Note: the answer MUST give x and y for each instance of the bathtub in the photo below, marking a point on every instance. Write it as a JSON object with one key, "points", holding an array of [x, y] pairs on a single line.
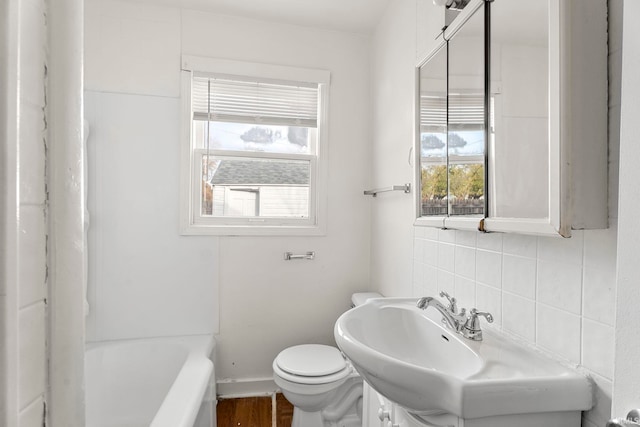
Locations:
{"points": [[159, 382]]}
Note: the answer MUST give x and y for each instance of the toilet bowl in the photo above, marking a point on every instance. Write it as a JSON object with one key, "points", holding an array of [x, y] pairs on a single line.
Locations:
{"points": [[320, 382]]}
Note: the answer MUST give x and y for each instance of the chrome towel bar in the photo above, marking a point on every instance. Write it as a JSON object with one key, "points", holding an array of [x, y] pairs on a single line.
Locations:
{"points": [[406, 188]]}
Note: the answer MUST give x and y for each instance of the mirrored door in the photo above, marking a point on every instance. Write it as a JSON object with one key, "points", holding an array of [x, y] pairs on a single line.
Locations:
{"points": [[466, 141], [452, 123]]}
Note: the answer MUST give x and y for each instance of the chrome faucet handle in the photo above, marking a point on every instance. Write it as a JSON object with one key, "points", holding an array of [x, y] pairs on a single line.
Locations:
{"points": [[484, 314], [472, 328], [453, 306]]}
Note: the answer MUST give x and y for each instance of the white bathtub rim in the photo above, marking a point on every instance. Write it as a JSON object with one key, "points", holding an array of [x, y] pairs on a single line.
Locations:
{"points": [[201, 343], [182, 402], [172, 413]]}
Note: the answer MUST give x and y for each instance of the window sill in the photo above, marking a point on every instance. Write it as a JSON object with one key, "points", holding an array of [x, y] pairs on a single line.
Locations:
{"points": [[248, 230], [450, 222]]}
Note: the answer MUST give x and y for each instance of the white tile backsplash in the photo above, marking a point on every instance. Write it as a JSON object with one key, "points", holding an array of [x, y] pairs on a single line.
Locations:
{"points": [[418, 245], [519, 244], [430, 278], [560, 285], [466, 238], [490, 299], [600, 249], [562, 250], [558, 332], [519, 316], [489, 268], [490, 241], [446, 257], [465, 262], [418, 273], [598, 347], [430, 233], [599, 295], [465, 291], [446, 282], [519, 275], [445, 235], [429, 281], [430, 252]]}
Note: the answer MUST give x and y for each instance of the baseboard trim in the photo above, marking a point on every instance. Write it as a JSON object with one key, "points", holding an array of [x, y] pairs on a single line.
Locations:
{"points": [[246, 387]]}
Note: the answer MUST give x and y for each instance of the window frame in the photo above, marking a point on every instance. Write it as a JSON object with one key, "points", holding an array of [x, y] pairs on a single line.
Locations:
{"points": [[191, 220]]}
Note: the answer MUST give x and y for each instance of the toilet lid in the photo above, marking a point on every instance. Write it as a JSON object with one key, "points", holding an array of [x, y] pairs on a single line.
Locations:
{"points": [[311, 360]]}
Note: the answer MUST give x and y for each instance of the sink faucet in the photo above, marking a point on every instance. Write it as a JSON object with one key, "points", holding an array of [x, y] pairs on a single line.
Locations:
{"points": [[467, 326], [449, 318]]}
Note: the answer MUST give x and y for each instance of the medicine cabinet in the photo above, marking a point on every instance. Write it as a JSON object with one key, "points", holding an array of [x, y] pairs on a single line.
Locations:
{"points": [[511, 119]]}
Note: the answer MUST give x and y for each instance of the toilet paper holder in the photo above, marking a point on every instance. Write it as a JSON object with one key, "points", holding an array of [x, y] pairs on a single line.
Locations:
{"points": [[632, 420], [288, 256]]}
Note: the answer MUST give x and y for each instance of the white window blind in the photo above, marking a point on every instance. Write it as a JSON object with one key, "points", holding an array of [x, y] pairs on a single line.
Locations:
{"points": [[465, 111], [260, 102], [433, 113]]}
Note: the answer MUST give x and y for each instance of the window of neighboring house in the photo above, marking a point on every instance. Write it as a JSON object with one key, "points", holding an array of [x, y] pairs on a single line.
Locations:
{"points": [[256, 148]]}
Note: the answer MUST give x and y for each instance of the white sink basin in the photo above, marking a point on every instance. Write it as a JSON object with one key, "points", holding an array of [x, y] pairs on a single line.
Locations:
{"points": [[408, 356]]}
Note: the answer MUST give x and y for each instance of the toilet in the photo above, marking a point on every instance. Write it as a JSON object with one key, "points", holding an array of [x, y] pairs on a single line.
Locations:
{"points": [[320, 382]]}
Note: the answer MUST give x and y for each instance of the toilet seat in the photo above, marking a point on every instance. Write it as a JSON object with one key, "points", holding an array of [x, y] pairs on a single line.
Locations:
{"points": [[311, 364], [311, 360]]}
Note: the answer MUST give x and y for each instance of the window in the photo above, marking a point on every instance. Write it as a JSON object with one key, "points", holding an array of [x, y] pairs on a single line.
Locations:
{"points": [[256, 138]]}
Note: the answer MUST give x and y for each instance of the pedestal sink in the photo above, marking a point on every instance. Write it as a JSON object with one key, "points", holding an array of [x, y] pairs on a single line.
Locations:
{"points": [[410, 357]]}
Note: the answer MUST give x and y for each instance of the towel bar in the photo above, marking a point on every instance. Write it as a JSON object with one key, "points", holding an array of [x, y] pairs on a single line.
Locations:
{"points": [[406, 188]]}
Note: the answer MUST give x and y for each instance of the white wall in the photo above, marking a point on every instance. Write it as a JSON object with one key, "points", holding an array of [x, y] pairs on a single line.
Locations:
{"points": [[556, 294], [627, 378], [147, 280], [393, 74], [23, 255]]}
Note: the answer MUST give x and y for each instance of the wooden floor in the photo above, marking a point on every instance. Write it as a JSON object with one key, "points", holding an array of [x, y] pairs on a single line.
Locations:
{"points": [[255, 412]]}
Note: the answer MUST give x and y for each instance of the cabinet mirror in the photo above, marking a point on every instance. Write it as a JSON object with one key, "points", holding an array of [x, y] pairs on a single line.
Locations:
{"points": [[519, 119], [513, 119], [433, 135], [452, 124]]}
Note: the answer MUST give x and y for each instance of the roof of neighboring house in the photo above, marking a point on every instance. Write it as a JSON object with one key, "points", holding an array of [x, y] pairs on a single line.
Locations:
{"points": [[251, 172]]}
